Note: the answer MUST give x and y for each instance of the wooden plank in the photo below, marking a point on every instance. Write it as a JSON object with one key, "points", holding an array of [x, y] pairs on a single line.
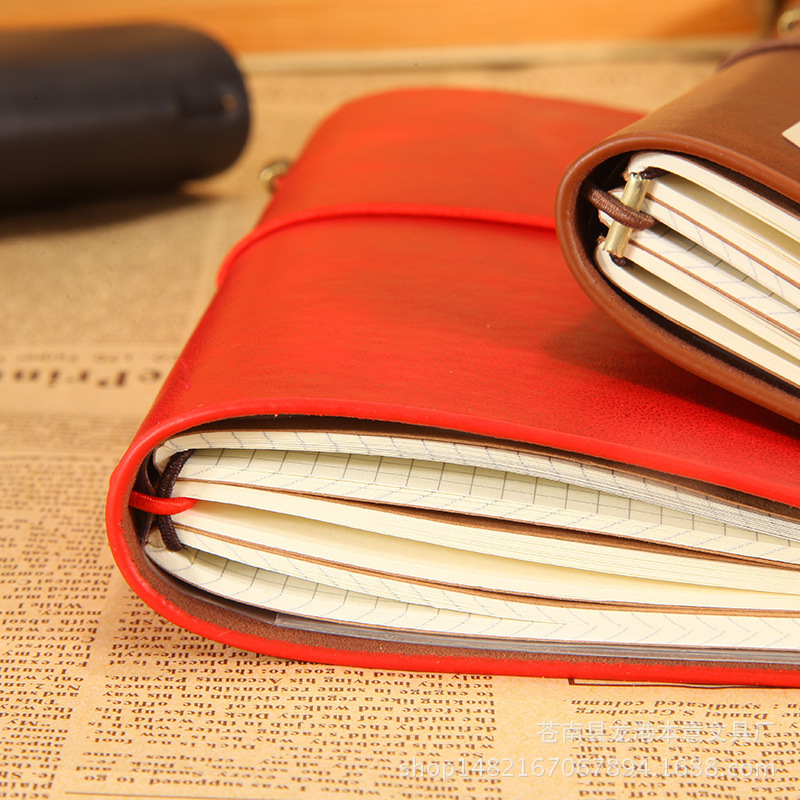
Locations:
{"points": [[248, 26]]}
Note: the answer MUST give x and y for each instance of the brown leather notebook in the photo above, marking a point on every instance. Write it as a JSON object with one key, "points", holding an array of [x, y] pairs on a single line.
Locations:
{"points": [[685, 226]]}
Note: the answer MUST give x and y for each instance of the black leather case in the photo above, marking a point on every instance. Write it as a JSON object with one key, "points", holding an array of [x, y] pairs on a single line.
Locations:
{"points": [[109, 110]]}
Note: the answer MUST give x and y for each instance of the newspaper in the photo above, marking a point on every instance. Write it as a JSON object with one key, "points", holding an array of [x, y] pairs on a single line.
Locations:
{"points": [[102, 698]]}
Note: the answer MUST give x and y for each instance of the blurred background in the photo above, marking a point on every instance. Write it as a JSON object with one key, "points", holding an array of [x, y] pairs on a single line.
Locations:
{"points": [[294, 33]]}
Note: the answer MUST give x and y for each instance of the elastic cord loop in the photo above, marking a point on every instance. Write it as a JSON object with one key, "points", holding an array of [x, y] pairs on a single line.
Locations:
{"points": [[759, 48], [618, 211], [163, 505], [366, 210], [160, 505]]}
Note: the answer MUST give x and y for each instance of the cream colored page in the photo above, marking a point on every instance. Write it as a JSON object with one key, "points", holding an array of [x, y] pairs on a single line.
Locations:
{"points": [[102, 698]]}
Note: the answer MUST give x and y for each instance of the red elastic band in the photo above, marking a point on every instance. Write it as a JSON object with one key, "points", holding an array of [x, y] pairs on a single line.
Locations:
{"points": [[419, 211], [162, 506]]}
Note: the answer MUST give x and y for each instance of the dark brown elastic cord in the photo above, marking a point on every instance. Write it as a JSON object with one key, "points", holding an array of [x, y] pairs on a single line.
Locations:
{"points": [[765, 46], [618, 211], [164, 489]]}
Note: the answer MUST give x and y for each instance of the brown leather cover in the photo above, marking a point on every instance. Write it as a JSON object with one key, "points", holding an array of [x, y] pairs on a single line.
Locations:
{"points": [[734, 120]]}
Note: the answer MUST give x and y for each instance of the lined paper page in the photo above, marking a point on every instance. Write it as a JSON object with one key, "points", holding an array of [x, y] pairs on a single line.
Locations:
{"points": [[431, 549], [736, 213], [474, 479], [267, 589], [767, 270], [710, 280], [684, 309]]}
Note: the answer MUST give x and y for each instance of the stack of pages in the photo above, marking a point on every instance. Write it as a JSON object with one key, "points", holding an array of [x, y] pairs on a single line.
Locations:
{"points": [[470, 539], [722, 261]]}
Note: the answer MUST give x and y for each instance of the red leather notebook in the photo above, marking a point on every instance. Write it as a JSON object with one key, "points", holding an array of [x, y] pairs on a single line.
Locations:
{"points": [[402, 437]]}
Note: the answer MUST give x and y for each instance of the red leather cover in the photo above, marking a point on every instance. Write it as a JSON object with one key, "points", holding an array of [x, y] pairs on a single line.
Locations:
{"points": [[407, 271]]}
